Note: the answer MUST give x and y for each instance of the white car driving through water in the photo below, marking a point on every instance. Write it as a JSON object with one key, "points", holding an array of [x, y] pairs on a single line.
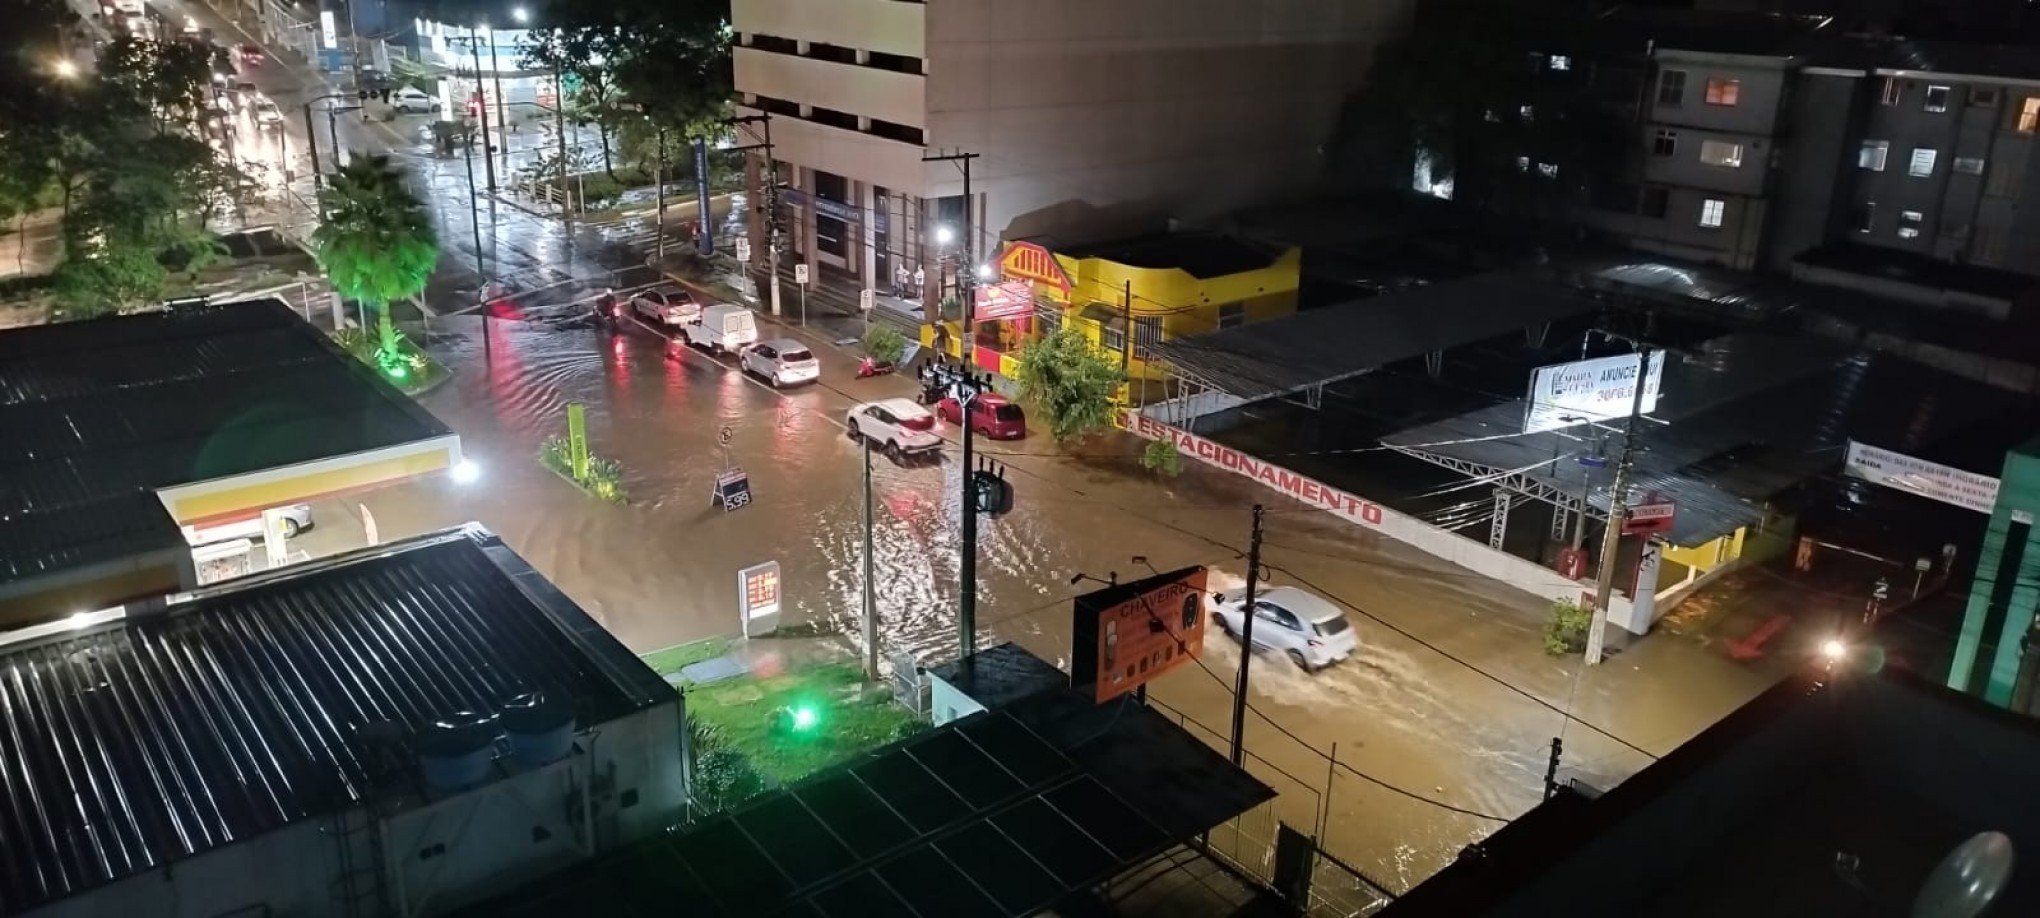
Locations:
{"points": [[1311, 632]]}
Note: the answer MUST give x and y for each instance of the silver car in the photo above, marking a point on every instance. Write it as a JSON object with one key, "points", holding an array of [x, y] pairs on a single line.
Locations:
{"points": [[782, 362]]}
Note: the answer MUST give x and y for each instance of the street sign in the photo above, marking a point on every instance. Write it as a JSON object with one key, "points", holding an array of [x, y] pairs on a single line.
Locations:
{"points": [[1923, 565], [800, 274], [866, 298], [1653, 516], [1565, 394], [732, 489], [743, 249], [758, 598], [1126, 635]]}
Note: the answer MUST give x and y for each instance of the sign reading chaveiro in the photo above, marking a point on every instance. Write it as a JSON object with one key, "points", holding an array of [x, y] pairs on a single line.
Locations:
{"points": [[1930, 480], [1127, 634], [1565, 394]]}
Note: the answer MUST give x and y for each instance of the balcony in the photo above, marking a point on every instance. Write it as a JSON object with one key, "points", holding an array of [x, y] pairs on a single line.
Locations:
{"points": [[852, 154], [884, 94], [891, 26]]}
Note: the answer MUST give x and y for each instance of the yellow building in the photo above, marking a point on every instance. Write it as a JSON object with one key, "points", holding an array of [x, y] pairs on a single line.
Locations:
{"points": [[1170, 286]]}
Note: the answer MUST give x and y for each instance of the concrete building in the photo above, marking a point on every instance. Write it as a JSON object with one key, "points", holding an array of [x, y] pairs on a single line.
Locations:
{"points": [[1090, 118]]}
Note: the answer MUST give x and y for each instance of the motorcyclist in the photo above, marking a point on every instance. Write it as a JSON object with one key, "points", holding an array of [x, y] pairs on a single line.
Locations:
{"points": [[605, 305]]}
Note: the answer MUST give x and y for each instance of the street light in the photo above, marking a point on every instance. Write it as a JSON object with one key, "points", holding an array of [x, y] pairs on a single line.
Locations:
{"points": [[944, 235], [986, 273], [66, 68], [520, 14], [466, 472]]}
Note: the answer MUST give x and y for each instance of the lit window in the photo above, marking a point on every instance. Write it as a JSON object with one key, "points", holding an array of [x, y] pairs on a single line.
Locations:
{"points": [[1548, 170], [2029, 115], [1872, 154], [1937, 98], [1529, 113], [1723, 92], [1561, 62], [1909, 222], [1490, 117], [1866, 217], [1711, 212], [1922, 162], [1968, 165], [1665, 143], [1671, 88], [1891, 91], [1522, 164], [1721, 153]]}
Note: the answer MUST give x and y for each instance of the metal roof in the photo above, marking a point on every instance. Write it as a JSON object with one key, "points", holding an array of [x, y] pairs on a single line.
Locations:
{"points": [[999, 814], [1264, 360], [1742, 418], [136, 743], [97, 414]]}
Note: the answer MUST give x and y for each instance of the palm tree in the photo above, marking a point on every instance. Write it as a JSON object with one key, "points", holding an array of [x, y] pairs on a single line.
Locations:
{"points": [[375, 243]]}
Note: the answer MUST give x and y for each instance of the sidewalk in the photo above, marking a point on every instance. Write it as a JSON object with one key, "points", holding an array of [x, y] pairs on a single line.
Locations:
{"points": [[831, 304]]}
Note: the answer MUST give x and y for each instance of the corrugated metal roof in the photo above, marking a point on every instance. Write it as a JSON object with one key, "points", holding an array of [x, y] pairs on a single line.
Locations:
{"points": [[1269, 359], [1742, 418], [105, 409], [132, 744]]}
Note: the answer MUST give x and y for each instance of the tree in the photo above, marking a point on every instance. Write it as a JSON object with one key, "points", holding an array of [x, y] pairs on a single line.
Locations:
{"points": [[376, 243], [1071, 381], [640, 66]]}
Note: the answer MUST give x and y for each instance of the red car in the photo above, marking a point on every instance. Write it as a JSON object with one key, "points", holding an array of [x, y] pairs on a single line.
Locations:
{"points": [[990, 415]]}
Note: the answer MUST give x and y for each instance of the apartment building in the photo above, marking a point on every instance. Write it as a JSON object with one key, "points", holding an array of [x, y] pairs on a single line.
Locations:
{"points": [[1090, 118]]}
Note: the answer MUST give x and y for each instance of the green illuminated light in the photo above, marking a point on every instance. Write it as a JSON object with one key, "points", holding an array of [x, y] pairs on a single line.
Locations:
{"points": [[805, 718]]}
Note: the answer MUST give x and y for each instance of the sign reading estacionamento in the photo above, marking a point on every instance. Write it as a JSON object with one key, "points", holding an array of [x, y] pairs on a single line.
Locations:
{"points": [[1126, 635], [1301, 487], [1565, 394], [1930, 480]]}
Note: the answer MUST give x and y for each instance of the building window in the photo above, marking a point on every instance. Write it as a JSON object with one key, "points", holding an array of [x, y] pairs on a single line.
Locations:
{"points": [[1711, 212], [1146, 334], [1909, 222], [1983, 98], [1922, 162], [1522, 164], [1671, 88], [1665, 143], [1937, 98], [1721, 153], [1872, 154], [1111, 338], [1232, 314], [1865, 217], [897, 63], [832, 118], [1891, 91], [1528, 113], [1656, 203], [823, 51], [2029, 115], [773, 43], [899, 132], [1968, 165], [1548, 170], [1723, 92], [1561, 62]]}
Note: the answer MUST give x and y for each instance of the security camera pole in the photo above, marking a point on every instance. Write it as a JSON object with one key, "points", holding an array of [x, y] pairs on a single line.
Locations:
{"points": [[1618, 512], [966, 387]]}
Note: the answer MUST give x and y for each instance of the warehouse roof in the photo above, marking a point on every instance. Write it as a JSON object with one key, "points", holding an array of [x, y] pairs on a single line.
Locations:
{"points": [[96, 415], [1317, 347], [135, 742]]}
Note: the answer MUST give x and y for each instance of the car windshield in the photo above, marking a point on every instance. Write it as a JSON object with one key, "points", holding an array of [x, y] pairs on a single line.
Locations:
{"points": [[1008, 413], [1333, 626], [796, 355], [918, 421]]}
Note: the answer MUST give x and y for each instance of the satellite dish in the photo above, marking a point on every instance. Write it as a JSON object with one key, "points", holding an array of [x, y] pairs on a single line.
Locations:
{"points": [[1968, 879]]}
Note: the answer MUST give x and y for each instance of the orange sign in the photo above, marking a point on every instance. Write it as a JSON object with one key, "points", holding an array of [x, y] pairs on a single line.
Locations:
{"points": [[1031, 261], [1129, 634]]}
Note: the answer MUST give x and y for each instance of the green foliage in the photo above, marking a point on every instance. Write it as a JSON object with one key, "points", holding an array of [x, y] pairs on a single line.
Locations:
{"points": [[1162, 458], [723, 777], [745, 714], [376, 244], [647, 61], [605, 476], [1071, 382], [884, 344], [1565, 630], [96, 280]]}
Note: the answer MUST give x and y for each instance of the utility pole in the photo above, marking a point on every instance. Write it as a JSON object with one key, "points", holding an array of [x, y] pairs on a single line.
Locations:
{"points": [[496, 76], [1239, 704], [660, 221], [312, 144], [1618, 511], [1126, 340], [560, 136], [771, 189], [870, 588], [966, 275], [482, 109], [967, 387]]}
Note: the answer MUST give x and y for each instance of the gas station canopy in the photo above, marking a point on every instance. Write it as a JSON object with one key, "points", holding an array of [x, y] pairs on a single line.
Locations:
{"points": [[115, 432]]}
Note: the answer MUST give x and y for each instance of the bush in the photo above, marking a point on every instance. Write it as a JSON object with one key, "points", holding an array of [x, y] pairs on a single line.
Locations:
{"points": [[1071, 381], [605, 476], [1565, 631], [884, 344], [1162, 458], [723, 777]]}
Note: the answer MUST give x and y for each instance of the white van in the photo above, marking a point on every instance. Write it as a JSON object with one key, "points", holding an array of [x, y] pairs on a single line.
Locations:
{"points": [[723, 328]]}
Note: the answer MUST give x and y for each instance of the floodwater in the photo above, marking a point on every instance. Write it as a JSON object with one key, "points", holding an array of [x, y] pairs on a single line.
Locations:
{"points": [[1449, 698]]}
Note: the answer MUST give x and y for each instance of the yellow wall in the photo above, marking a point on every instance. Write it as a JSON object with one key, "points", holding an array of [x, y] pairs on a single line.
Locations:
{"points": [[1187, 305]]}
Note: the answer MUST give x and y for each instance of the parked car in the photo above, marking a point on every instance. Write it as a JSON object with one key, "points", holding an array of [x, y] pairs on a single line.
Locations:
{"points": [[782, 361], [666, 304], [1311, 632], [897, 425], [296, 518], [413, 101], [250, 55], [990, 415], [723, 328]]}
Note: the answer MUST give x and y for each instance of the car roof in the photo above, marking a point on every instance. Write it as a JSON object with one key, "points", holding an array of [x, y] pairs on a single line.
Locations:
{"points": [[782, 344], [1306, 606], [901, 406], [670, 289]]}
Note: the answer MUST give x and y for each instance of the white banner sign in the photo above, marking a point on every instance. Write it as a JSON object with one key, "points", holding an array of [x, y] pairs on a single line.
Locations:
{"points": [[1930, 480], [1565, 394], [329, 30]]}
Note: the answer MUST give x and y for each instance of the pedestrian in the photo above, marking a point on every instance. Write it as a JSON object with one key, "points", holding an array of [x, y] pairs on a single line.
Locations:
{"points": [[920, 284], [900, 278]]}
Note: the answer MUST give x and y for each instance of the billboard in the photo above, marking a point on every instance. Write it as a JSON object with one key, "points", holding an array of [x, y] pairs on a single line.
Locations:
{"points": [[1930, 480], [1126, 635], [758, 598], [1565, 394]]}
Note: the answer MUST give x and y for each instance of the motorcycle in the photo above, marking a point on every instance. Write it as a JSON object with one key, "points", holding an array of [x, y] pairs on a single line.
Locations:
{"points": [[867, 368]]}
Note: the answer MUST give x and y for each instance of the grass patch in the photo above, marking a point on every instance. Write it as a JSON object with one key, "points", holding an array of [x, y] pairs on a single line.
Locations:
{"points": [[605, 476], [754, 718], [671, 660], [421, 372]]}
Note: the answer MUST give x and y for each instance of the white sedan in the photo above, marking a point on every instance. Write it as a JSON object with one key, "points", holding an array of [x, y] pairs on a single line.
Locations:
{"points": [[782, 362], [666, 305], [1311, 632], [900, 426]]}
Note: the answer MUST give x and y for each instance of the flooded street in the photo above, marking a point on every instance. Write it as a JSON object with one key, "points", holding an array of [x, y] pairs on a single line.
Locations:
{"points": [[1449, 698]]}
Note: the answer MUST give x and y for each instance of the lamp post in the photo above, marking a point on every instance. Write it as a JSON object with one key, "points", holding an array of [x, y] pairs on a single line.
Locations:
{"points": [[496, 77], [482, 104]]}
